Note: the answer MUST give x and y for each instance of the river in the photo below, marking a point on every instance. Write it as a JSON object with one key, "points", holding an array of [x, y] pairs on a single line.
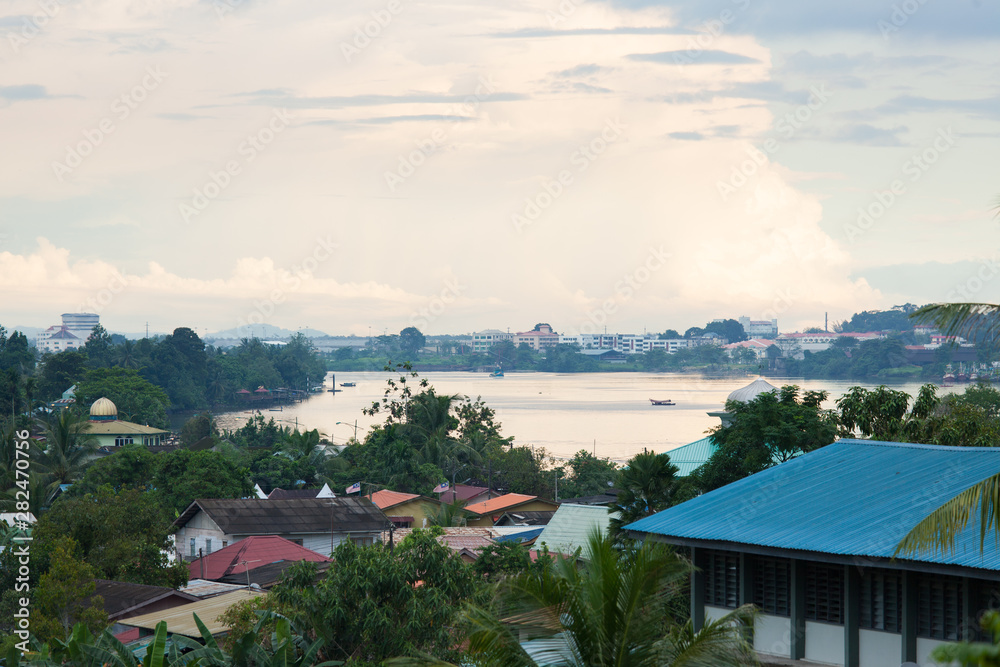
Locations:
{"points": [[607, 413]]}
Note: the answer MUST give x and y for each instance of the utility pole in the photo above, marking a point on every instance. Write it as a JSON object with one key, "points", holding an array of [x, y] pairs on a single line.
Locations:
{"points": [[557, 486]]}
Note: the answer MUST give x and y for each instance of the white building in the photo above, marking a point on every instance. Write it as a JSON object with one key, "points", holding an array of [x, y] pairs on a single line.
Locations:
{"points": [[72, 334], [795, 345], [482, 341], [759, 328]]}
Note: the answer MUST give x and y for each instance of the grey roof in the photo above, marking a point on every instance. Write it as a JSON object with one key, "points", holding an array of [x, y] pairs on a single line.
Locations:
{"points": [[263, 516], [122, 598], [535, 518], [571, 525], [600, 499]]}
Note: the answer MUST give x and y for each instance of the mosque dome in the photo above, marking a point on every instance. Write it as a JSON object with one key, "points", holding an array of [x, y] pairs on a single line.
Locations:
{"points": [[752, 391], [103, 410]]}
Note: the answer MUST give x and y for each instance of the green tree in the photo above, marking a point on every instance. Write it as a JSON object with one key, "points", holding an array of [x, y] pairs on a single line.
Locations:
{"points": [[730, 329], [610, 609], [124, 535], [183, 476], [98, 348], [974, 654], [773, 427], [66, 451], [411, 341], [587, 476], [371, 606], [129, 466], [506, 559], [647, 484], [197, 428], [65, 596], [137, 399], [59, 372]]}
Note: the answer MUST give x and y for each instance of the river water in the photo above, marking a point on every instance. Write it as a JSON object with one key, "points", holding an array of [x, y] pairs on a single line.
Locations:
{"points": [[607, 413]]}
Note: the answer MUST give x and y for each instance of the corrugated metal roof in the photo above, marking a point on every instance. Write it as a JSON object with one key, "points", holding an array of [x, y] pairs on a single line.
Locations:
{"points": [[261, 516], [851, 498], [522, 536], [180, 620], [503, 502], [250, 553], [572, 525], [689, 457], [201, 588]]}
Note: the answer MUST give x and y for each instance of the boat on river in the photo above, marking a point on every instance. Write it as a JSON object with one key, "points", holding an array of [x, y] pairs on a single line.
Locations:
{"points": [[664, 402]]}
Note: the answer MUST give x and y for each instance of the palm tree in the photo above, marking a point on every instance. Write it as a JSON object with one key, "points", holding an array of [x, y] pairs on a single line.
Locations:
{"points": [[126, 355], [611, 609], [937, 531], [647, 487], [67, 451]]}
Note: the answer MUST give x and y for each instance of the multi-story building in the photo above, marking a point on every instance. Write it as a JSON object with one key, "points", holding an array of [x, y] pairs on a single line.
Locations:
{"points": [[72, 334], [539, 338], [482, 341], [797, 344], [759, 328]]}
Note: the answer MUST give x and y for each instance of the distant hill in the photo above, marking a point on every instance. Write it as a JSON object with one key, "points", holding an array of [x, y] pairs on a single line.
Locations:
{"points": [[262, 331]]}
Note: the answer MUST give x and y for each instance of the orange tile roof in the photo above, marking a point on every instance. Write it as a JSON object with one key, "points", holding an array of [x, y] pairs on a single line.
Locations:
{"points": [[500, 503], [384, 499]]}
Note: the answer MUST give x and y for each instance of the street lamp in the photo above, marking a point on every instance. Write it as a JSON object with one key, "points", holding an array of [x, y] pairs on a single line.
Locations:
{"points": [[355, 427]]}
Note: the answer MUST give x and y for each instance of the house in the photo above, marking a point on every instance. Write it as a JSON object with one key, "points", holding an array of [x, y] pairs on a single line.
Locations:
{"points": [[462, 540], [180, 620], [405, 510], [467, 494], [107, 430], [488, 512], [124, 599], [318, 524], [572, 525], [756, 345], [203, 588], [249, 554], [287, 494], [811, 543]]}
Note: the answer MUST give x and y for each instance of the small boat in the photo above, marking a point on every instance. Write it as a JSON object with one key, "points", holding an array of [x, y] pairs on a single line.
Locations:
{"points": [[348, 384], [497, 372], [666, 402]]}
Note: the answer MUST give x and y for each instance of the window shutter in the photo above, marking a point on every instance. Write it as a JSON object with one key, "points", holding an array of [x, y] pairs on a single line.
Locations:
{"points": [[824, 593], [772, 586]]}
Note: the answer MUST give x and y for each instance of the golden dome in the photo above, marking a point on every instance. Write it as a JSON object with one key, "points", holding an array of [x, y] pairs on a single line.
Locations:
{"points": [[103, 410]]}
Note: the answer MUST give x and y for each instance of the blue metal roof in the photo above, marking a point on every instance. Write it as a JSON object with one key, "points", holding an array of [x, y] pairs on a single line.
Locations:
{"points": [[691, 456], [521, 536], [851, 498]]}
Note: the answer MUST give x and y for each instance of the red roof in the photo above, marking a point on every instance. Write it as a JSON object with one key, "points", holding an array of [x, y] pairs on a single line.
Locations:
{"points": [[129, 635], [501, 503], [385, 499], [256, 551], [463, 491]]}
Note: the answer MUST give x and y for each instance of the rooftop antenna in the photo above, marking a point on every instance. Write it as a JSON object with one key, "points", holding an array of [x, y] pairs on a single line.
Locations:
{"points": [[244, 563]]}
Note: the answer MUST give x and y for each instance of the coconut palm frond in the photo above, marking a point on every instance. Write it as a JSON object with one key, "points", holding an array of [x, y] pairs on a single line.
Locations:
{"points": [[723, 641], [961, 319], [937, 532]]}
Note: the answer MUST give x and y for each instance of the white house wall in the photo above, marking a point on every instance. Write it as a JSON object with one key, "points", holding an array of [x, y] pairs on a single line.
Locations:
{"points": [[880, 649], [773, 635], [715, 613], [924, 648], [825, 643]]}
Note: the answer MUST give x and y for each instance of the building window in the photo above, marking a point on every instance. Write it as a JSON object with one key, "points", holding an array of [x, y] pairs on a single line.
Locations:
{"points": [[824, 593], [123, 440], [208, 545], [772, 586], [722, 579], [939, 607], [194, 550], [881, 601], [225, 543], [363, 541]]}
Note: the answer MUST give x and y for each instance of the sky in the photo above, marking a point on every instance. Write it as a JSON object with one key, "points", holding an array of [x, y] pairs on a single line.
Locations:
{"points": [[455, 165]]}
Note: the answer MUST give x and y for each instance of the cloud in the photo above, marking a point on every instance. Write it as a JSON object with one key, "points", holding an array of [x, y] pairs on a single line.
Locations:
{"points": [[23, 92], [708, 57], [531, 33], [581, 71], [985, 107], [687, 136], [868, 135]]}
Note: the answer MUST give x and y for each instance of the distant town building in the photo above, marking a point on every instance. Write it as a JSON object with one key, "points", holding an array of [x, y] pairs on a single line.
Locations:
{"points": [[72, 334], [759, 328], [109, 431], [756, 345], [795, 345], [539, 338], [482, 341]]}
